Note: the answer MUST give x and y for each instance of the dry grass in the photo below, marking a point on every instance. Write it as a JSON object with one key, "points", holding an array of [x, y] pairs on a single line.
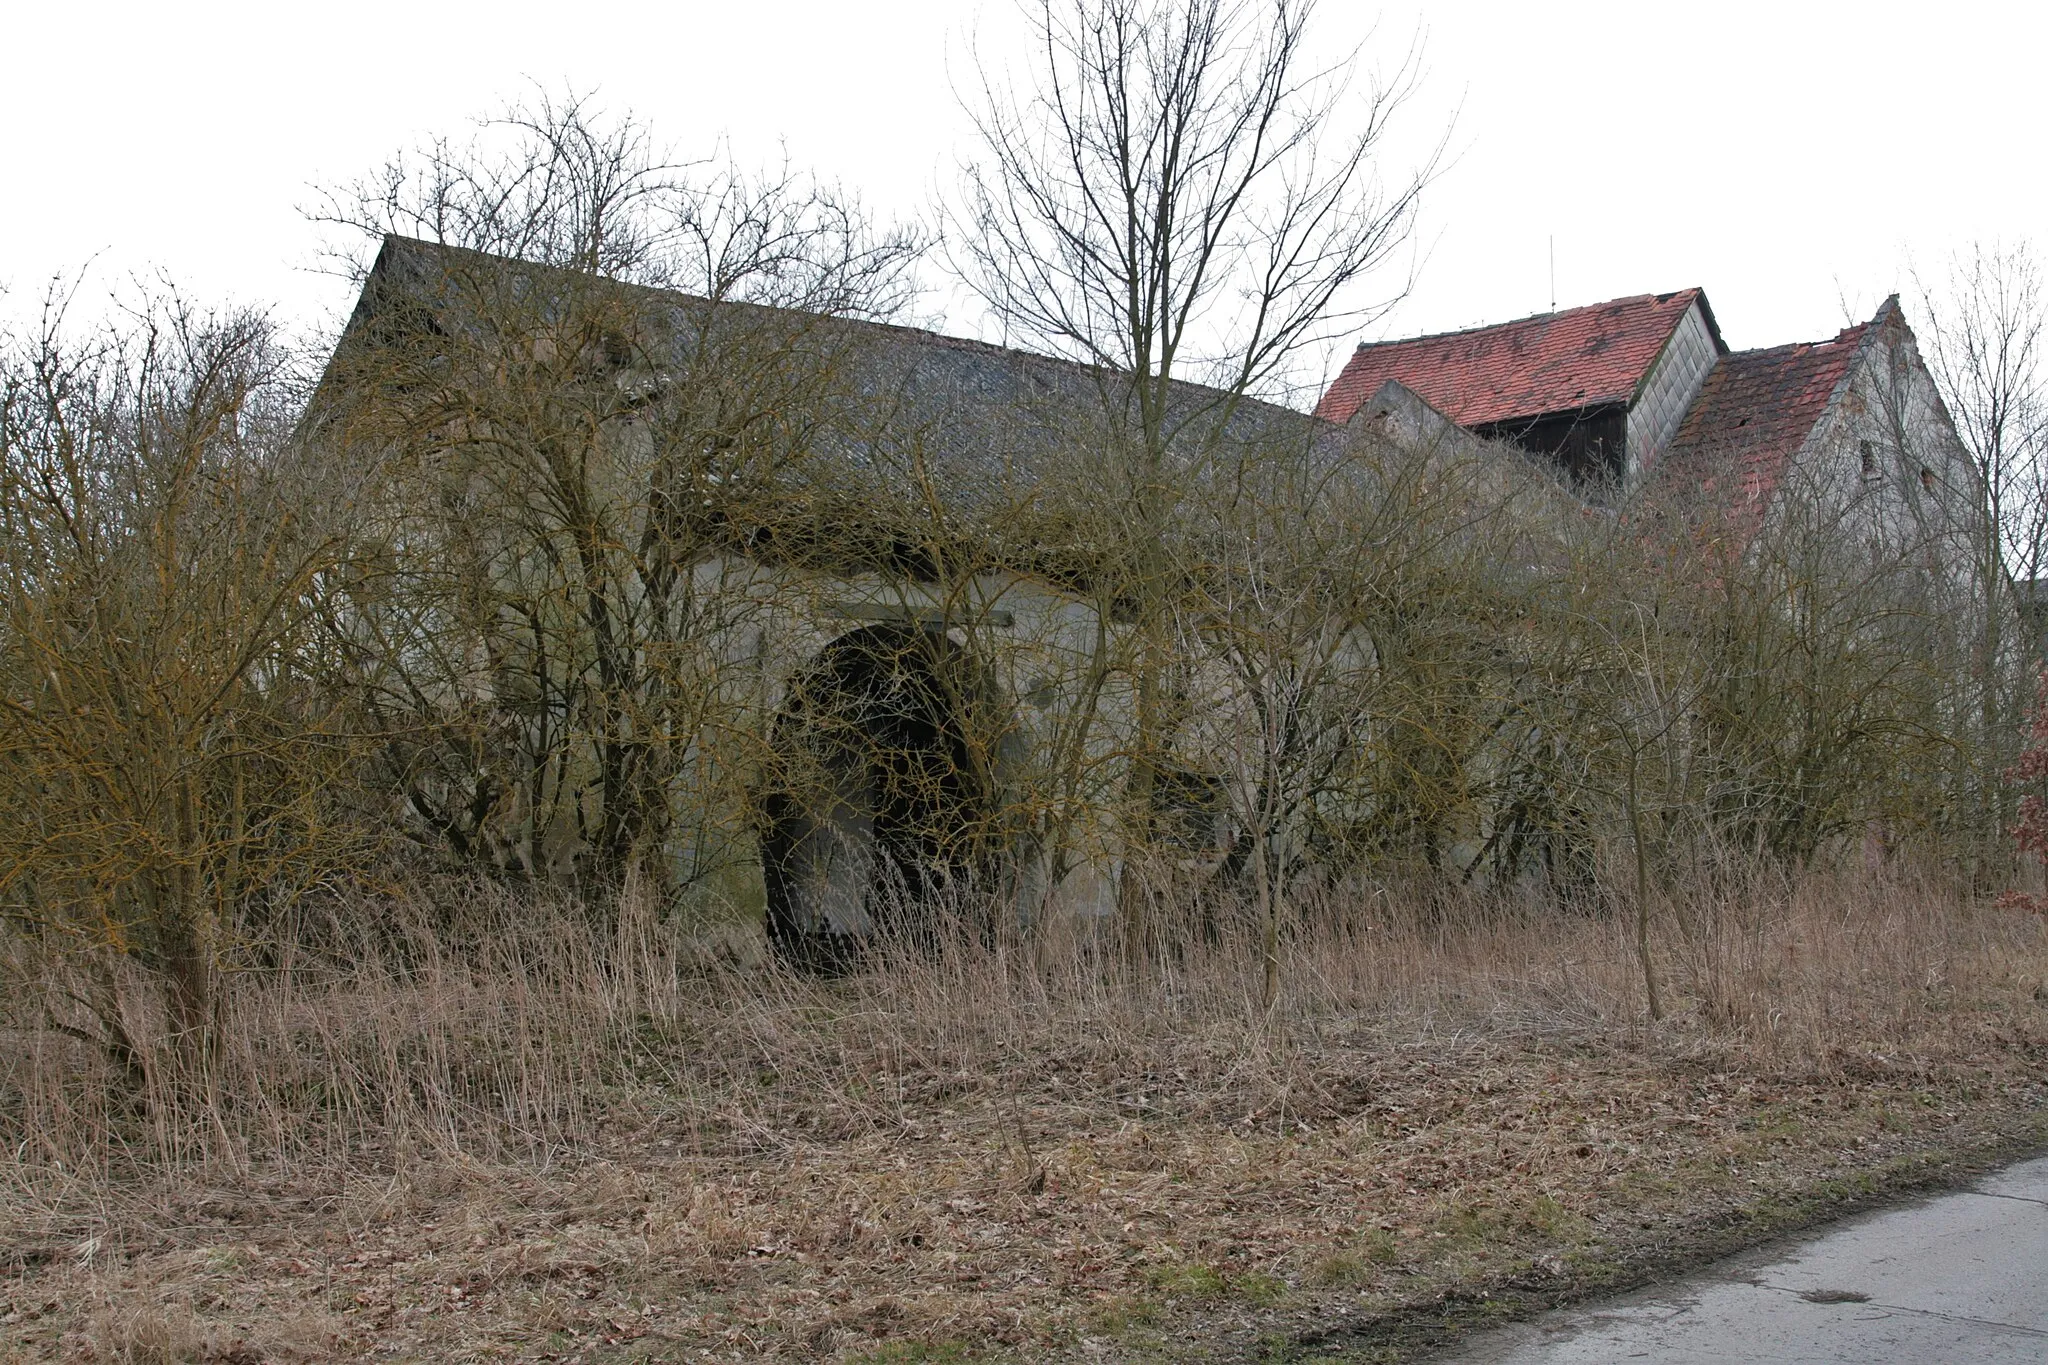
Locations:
{"points": [[497, 1134]]}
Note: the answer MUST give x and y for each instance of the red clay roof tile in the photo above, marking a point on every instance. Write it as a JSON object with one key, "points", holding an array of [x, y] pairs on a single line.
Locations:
{"points": [[1554, 362], [1751, 417]]}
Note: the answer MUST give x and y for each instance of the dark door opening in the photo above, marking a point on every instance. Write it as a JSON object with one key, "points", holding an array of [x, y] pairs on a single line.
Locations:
{"points": [[882, 814]]}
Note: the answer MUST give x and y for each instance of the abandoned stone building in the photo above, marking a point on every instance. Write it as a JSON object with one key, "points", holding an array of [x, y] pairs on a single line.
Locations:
{"points": [[1600, 390], [919, 666], [1641, 393]]}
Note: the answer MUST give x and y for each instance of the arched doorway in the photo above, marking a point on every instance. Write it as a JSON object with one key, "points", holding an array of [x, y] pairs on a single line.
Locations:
{"points": [[884, 810]]}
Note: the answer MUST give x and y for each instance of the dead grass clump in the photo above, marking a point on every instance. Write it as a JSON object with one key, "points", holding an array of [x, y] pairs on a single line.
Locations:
{"points": [[158, 1324], [510, 1031], [521, 1127]]}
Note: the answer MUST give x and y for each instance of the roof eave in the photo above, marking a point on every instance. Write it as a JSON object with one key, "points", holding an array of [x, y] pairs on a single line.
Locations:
{"points": [[1599, 407], [1713, 327]]}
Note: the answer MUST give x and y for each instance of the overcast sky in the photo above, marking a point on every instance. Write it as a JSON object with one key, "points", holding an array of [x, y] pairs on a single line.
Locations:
{"points": [[1794, 159]]}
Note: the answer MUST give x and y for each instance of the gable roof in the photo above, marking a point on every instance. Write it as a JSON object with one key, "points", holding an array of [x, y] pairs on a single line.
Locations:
{"points": [[1553, 362], [1753, 415], [981, 428]]}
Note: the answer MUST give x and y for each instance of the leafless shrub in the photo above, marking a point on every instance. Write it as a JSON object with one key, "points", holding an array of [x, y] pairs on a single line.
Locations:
{"points": [[165, 758]]}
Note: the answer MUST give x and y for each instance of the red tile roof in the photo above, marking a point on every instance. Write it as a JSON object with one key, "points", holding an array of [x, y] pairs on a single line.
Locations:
{"points": [[1554, 362], [1753, 414]]}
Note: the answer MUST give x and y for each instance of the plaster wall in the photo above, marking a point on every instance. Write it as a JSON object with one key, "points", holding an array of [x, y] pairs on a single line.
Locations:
{"points": [[1884, 493], [1037, 645], [1886, 464]]}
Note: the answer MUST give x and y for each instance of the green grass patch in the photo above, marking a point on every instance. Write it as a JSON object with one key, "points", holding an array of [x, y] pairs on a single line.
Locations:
{"points": [[1193, 1280], [1121, 1315], [1186, 1280]]}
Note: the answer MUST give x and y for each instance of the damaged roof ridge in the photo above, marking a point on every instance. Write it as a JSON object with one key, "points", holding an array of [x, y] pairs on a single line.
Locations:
{"points": [[1549, 362], [1553, 315], [1855, 334]]}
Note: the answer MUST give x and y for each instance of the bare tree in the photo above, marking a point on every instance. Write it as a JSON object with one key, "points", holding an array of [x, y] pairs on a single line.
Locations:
{"points": [[1171, 201], [1184, 195], [573, 439], [165, 759], [1985, 338], [555, 180], [1302, 556], [1984, 507]]}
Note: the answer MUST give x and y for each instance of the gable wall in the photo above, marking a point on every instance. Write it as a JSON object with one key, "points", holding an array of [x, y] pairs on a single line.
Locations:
{"points": [[1912, 518], [1891, 407], [1668, 392]]}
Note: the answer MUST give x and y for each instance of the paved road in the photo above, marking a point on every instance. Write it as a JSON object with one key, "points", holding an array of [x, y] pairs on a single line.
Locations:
{"points": [[1958, 1278]]}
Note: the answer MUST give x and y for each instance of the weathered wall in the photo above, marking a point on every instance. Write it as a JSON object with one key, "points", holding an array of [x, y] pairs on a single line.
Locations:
{"points": [[1036, 644], [1668, 391], [1885, 459]]}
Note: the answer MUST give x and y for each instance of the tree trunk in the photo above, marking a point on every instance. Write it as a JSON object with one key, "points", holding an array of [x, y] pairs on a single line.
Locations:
{"points": [[1269, 919], [1635, 829]]}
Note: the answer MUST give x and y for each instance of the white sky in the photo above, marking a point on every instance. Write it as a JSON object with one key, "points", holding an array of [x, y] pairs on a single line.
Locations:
{"points": [[1790, 157]]}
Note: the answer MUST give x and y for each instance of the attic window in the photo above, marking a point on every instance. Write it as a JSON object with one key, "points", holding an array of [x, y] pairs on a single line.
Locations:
{"points": [[1868, 454]]}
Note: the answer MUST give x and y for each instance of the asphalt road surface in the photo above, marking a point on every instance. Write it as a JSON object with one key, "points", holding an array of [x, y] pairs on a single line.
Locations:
{"points": [[1955, 1279]]}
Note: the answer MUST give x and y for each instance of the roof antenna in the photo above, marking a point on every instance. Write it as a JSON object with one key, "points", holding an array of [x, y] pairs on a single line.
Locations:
{"points": [[1553, 272]]}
